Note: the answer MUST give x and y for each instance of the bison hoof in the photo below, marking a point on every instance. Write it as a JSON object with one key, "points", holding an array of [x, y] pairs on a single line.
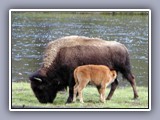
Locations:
{"points": [[136, 96], [70, 100], [108, 98]]}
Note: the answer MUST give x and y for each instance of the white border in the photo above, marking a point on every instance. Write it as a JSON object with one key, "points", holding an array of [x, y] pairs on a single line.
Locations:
{"points": [[10, 77], [78, 10]]}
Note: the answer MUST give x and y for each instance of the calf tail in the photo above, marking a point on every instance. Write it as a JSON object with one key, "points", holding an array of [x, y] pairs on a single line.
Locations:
{"points": [[114, 74]]}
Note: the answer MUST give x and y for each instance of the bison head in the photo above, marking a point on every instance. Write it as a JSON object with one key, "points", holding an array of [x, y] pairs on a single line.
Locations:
{"points": [[44, 88]]}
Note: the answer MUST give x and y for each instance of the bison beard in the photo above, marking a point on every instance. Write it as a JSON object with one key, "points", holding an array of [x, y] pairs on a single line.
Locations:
{"points": [[46, 82]]}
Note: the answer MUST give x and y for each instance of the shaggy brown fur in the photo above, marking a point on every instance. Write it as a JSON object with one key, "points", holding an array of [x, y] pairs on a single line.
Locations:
{"points": [[69, 41], [99, 75]]}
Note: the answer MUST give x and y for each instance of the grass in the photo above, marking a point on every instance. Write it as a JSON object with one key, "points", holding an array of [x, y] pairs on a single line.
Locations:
{"points": [[51, 14], [22, 96]]}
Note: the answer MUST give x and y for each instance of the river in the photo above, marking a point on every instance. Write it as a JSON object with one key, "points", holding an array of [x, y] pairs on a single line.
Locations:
{"points": [[31, 31]]}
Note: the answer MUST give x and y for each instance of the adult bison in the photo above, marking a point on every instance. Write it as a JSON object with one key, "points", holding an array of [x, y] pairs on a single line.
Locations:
{"points": [[63, 55]]}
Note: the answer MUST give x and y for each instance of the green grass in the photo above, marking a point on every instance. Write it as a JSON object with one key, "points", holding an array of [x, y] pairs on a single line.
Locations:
{"points": [[50, 14], [22, 95]]}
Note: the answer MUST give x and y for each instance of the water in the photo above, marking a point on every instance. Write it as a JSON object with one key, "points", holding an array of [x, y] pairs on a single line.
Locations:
{"points": [[31, 31]]}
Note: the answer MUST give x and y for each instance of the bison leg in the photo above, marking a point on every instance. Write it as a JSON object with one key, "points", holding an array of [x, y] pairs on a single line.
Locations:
{"points": [[70, 98], [71, 89], [133, 84], [113, 87]]}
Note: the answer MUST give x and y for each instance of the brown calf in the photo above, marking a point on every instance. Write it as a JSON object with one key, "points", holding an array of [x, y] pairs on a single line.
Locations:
{"points": [[99, 75]]}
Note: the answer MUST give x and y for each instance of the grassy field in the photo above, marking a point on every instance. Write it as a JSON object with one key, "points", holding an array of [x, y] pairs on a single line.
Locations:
{"points": [[22, 96]]}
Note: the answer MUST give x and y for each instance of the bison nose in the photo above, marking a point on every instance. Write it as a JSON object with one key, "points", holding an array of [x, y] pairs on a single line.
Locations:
{"points": [[43, 102]]}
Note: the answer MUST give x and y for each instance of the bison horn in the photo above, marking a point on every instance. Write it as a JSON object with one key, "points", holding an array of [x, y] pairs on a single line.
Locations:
{"points": [[40, 80]]}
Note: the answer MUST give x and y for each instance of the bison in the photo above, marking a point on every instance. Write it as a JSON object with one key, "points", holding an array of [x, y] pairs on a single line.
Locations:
{"points": [[63, 55], [99, 75]]}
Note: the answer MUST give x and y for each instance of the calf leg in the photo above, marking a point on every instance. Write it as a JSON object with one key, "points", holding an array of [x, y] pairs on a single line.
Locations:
{"points": [[102, 94], [113, 87], [80, 95], [81, 85], [75, 92]]}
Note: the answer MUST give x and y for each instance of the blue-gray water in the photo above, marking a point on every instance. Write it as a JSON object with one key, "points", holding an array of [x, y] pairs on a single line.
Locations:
{"points": [[31, 31]]}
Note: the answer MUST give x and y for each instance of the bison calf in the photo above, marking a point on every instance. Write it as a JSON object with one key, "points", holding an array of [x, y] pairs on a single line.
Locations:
{"points": [[99, 75]]}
